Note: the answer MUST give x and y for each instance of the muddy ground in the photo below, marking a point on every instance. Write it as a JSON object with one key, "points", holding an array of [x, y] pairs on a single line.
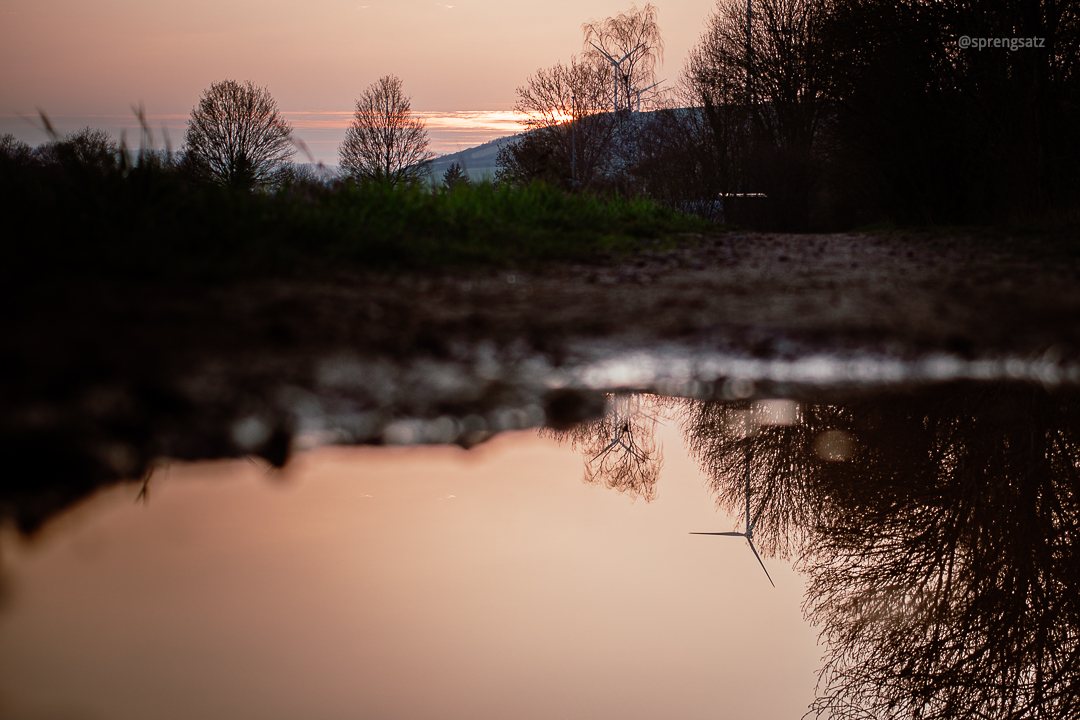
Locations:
{"points": [[100, 379]]}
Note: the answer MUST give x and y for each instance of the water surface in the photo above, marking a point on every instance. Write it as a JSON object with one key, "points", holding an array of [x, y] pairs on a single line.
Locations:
{"points": [[927, 534]]}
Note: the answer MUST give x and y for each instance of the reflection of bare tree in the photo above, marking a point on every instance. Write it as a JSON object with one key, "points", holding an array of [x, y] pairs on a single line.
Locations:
{"points": [[947, 586], [942, 553], [724, 436], [620, 449]]}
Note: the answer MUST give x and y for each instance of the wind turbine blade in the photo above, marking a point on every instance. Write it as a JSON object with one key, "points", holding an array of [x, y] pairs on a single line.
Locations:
{"points": [[639, 46], [761, 562], [748, 489], [603, 52], [612, 444]]}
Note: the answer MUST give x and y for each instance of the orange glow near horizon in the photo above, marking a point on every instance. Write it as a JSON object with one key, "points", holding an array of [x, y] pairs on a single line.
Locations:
{"points": [[320, 131], [95, 58]]}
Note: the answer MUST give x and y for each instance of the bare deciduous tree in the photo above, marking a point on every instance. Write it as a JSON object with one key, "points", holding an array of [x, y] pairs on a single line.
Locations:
{"points": [[780, 74], [385, 142], [564, 93], [237, 136], [11, 148], [761, 89], [631, 44], [87, 148], [570, 140], [620, 449]]}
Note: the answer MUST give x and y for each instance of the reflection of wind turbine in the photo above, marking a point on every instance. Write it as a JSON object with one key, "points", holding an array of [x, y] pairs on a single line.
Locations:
{"points": [[749, 534], [618, 433]]}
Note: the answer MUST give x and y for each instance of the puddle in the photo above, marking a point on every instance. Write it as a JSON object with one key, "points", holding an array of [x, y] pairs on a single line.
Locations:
{"points": [[121, 431], [921, 537]]}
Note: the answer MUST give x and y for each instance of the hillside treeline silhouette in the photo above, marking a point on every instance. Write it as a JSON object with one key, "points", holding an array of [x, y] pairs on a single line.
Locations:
{"points": [[842, 113]]}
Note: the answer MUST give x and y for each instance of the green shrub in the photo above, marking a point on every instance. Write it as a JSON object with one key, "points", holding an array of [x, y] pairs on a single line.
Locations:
{"points": [[152, 219]]}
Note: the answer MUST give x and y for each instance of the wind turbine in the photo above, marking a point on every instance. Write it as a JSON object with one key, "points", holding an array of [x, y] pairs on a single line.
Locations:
{"points": [[644, 90], [616, 65], [749, 534]]}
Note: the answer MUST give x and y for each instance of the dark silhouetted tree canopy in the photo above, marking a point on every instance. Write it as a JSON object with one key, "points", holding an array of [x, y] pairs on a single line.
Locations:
{"points": [[88, 148], [385, 141], [237, 136], [454, 176], [571, 134], [940, 550]]}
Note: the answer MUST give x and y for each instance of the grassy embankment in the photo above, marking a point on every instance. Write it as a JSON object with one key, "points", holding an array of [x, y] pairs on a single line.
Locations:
{"points": [[149, 220]]}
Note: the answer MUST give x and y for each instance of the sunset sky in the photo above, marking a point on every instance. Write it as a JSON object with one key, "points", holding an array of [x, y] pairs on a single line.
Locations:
{"points": [[77, 59]]}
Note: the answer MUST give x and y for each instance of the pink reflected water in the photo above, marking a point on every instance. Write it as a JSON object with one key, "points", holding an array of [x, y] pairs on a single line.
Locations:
{"points": [[401, 583]]}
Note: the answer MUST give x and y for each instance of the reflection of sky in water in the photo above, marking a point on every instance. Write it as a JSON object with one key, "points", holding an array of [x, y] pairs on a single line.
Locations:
{"points": [[935, 528], [402, 583], [321, 131]]}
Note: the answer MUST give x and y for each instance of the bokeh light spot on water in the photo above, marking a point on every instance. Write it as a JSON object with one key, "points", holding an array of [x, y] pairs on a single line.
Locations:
{"points": [[251, 432], [775, 412], [834, 445], [739, 388]]}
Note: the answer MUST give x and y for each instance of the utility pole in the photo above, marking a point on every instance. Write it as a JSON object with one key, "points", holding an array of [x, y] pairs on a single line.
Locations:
{"points": [[573, 142], [749, 59]]}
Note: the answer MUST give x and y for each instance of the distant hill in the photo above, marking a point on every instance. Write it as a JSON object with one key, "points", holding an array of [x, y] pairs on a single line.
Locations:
{"points": [[478, 162]]}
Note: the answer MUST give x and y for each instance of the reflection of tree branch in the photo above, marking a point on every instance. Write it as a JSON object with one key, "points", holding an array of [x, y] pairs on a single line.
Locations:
{"points": [[941, 556], [722, 435], [620, 449], [946, 586]]}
